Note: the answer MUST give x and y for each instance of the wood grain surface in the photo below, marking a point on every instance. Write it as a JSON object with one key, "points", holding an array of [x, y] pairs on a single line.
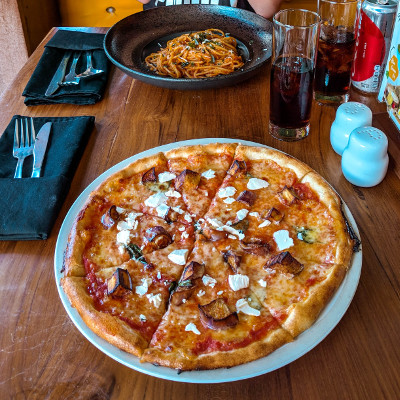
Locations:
{"points": [[43, 355]]}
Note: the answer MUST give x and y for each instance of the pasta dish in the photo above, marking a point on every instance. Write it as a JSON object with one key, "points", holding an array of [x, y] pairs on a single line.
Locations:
{"points": [[201, 54]]}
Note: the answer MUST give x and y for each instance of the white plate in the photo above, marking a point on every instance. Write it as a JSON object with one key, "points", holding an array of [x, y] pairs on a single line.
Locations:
{"points": [[329, 318]]}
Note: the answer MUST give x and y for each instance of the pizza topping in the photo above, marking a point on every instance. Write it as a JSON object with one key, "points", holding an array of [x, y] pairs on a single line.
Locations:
{"points": [[241, 214], [229, 200], [155, 299], [181, 294], [274, 215], [135, 252], [166, 177], [237, 167], [149, 176], [236, 232], [287, 196], [162, 210], [192, 328], [243, 306], [173, 193], [284, 263], [247, 197], [228, 191], [238, 281], [208, 281], [188, 218], [306, 235], [123, 237], [217, 315], [232, 259], [187, 180], [256, 183], [192, 271], [240, 226], [142, 318], [110, 217], [209, 174], [257, 248], [144, 287], [158, 237], [201, 293], [119, 283], [178, 256], [282, 239], [156, 199], [262, 283], [264, 224]]}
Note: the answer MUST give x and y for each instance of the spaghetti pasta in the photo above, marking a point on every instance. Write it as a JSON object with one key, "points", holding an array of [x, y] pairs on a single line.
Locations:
{"points": [[202, 54]]}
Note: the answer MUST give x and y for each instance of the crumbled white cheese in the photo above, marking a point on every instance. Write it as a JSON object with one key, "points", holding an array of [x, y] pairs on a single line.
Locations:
{"points": [[162, 210], [121, 249], [256, 183], [178, 256], [262, 283], [215, 223], [142, 318], [166, 177], [282, 239], [158, 275], [123, 236], [120, 210], [232, 236], [155, 299], [209, 174], [201, 293], [255, 214], [192, 328], [183, 300], [226, 192], [229, 200], [144, 287], [265, 223], [156, 199], [233, 231], [188, 218], [238, 281], [184, 235], [243, 306], [178, 209], [181, 228], [220, 292], [241, 214], [173, 193], [208, 281]]}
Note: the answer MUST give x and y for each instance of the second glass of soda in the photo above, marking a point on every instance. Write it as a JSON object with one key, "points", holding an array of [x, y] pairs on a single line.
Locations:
{"points": [[336, 48]]}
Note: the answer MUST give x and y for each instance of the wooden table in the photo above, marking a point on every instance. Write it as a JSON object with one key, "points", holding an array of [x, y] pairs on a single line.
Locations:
{"points": [[43, 355]]}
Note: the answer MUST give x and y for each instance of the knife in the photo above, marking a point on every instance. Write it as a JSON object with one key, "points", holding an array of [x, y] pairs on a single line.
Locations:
{"points": [[39, 149], [59, 74]]}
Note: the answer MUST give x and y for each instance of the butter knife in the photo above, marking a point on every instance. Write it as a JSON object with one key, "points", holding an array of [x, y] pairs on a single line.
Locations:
{"points": [[39, 149], [59, 74]]}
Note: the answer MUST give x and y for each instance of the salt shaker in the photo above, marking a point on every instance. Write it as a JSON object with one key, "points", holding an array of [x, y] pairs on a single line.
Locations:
{"points": [[349, 116], [365, 159]]}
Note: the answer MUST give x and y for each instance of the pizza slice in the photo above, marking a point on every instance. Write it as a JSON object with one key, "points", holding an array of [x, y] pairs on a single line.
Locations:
{"points": [[199, 171], [214, 319]]}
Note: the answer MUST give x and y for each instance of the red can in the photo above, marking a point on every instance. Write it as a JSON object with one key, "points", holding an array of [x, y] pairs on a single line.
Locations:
{"points": [[375, 26]]}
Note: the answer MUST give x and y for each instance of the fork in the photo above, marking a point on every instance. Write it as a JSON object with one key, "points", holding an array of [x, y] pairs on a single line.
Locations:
{"points": [[90, 71], [23, 143], [71, 78]]}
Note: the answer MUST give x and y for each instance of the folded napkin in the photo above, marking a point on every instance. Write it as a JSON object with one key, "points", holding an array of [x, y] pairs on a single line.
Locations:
{"points": [[29, 206], [89, 91]]}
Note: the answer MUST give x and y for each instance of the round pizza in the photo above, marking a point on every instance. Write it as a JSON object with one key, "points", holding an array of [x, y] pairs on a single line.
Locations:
{"points": [[207, 256]]}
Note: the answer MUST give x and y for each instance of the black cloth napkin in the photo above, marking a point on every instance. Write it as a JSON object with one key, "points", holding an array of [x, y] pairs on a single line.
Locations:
{"points": [[89, 91], [29, 206]]}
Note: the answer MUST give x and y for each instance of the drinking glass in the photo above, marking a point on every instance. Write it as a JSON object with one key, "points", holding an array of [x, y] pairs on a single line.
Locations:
{"points": [[336, 48], [294, 43]]}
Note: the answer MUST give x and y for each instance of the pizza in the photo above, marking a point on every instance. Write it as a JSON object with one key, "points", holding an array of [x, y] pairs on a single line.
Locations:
{"points": [[207, 256]]}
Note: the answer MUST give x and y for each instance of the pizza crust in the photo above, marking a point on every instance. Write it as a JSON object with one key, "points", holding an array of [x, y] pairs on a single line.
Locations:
{"points": [[110, 328], [210, 149]]}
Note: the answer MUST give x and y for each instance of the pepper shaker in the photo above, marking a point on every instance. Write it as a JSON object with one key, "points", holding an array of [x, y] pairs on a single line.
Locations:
{"points": [[365, 159], [349, 116]]}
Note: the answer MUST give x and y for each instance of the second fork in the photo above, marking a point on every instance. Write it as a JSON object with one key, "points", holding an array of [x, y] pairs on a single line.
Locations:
{"points": [[71, 78], [23, 143]]}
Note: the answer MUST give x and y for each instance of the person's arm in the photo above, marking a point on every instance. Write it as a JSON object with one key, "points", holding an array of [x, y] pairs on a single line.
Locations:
{"points": [[265, 8]]}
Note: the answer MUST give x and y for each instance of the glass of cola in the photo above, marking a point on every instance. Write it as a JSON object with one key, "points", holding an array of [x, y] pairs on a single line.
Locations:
{"points": [[295, 36], [336, 48]]}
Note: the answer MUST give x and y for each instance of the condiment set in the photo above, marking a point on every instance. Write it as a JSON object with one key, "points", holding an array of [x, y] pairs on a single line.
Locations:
{"points": [[363, 148]]}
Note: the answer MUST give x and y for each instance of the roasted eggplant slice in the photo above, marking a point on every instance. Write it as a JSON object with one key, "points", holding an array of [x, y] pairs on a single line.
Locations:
{"points": [[217, 315], [257, 248], [187, 180], [233, 259], [110, 217], [241, 226], [237, 167], [158, 237], [284, 263], [149, 179], [192, 271], [181, 294], [274, 215], [247, 197], [149, 176], [287, 196], [216, 235], [120, 283]]}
